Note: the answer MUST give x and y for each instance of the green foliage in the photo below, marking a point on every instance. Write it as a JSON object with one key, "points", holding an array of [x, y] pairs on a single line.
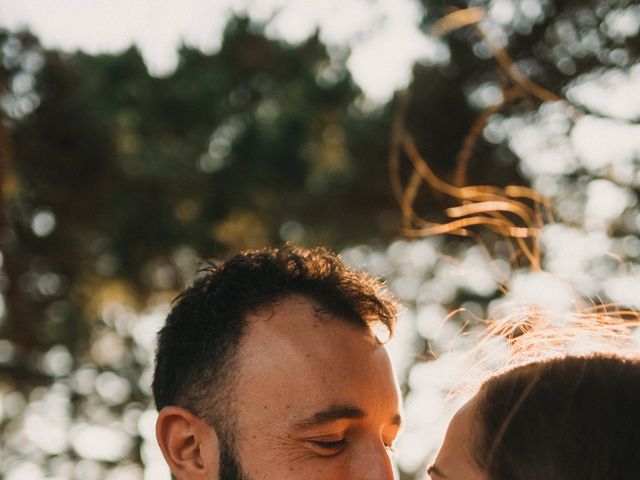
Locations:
{"points": [[115, 182], [216, 157]]}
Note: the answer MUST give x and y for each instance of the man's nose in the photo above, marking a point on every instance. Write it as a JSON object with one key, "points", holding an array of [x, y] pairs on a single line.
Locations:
{"points": [[374, 462]]}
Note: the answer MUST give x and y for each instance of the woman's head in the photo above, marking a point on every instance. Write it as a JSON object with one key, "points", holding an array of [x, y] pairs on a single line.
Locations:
{"points": [[564, 418]]}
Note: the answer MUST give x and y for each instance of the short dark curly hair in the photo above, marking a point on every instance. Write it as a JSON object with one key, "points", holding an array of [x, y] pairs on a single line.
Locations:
{"points": [[197, 348]]}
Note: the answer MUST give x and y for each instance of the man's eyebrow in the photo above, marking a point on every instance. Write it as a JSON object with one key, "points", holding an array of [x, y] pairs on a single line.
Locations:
{"points": [[331, 414], [433, 468]]}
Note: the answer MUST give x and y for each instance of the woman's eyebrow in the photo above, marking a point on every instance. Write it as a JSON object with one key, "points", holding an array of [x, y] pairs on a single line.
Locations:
{"points": [[433, 469]]}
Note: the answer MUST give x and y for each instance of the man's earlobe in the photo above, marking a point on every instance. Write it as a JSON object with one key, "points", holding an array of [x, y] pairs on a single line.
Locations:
{"points": [[189, 444]]}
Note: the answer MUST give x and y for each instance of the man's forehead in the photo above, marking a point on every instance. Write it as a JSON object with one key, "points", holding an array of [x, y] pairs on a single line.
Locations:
{"points": [[292, 307], [297, 323], [295, 359]]}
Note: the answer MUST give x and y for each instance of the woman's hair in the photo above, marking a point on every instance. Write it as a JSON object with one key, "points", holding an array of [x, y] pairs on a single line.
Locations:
{"points": [[565, 418]]}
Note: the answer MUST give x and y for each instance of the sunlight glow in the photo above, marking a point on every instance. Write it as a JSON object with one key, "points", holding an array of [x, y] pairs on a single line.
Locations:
{"points": [[571, 254], [606, 201], [43, 223], [383, 35], [541, 141], [96, 442], [586, 164], [543, 290], [600, 143], [624, 289], [612, 93], [157, 27]]}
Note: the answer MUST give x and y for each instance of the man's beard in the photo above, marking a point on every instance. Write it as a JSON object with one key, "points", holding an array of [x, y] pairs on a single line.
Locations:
{"points": [[230, 468]]}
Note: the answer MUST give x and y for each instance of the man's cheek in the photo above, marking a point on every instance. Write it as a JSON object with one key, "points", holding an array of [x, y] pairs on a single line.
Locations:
{"points": [[300, 465]]}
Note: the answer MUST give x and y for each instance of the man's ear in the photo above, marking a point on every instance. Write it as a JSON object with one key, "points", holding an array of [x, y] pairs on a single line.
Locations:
{"points": [[189, 445]]}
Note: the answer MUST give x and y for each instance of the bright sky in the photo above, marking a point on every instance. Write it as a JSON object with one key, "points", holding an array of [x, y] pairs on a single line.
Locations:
{"points": [[383, 35]]}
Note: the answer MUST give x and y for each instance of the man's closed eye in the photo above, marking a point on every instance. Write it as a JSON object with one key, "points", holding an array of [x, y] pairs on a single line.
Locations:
{"points": [[328, 447]]}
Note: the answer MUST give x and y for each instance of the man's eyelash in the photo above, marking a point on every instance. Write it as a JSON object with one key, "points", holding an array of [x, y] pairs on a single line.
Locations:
{"points": [[329, 445]]}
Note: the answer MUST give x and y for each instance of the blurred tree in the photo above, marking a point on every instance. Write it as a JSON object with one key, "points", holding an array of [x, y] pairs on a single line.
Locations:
{"points": [[250, 146], [115, 182]]}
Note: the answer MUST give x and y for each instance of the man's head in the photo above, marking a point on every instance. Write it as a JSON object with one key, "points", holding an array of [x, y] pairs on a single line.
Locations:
{"points": [[268, 368]]}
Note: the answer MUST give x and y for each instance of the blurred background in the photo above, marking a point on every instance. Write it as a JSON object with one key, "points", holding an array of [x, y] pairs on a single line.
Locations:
{"points": [[138, 138]]}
